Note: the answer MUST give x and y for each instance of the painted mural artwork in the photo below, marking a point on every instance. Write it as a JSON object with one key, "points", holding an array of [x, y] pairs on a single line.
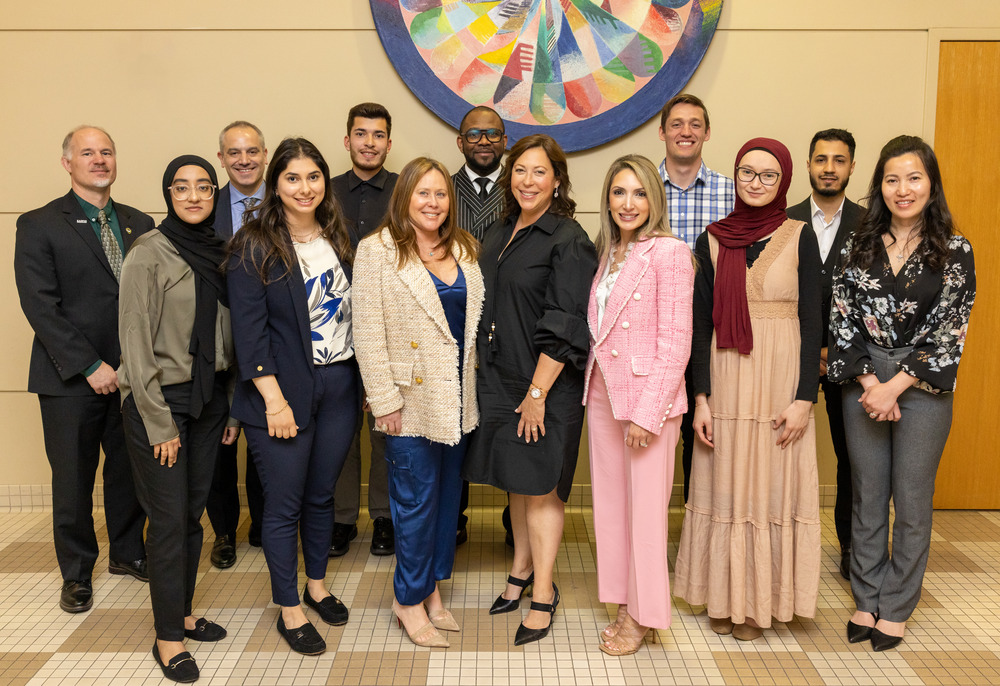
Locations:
{"points": [[583, 71]]}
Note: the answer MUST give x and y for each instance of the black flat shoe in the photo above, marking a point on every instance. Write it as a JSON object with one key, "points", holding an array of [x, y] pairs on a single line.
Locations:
{"points": [[501, 604], [330, 610], [302, 639], [223, 553], [526, 635], [383, 537], [136, 568], [205, 630], [882, 641], [182, 668], [76, 596], [343, 534]]}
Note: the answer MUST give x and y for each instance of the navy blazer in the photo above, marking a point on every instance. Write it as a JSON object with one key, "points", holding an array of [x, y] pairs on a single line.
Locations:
{"points": [[69, 293], [272, 335], [224, 213]]}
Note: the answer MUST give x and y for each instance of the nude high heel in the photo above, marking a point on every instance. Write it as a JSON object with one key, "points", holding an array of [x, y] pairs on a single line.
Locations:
{"points": [[425, 637]]}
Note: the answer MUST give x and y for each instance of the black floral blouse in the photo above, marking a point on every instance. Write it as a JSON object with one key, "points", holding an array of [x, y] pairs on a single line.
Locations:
{"points": [[920, 307]]}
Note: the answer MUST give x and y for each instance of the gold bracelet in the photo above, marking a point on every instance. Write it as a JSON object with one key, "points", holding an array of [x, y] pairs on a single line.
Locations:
{"points": [[272, 414]]}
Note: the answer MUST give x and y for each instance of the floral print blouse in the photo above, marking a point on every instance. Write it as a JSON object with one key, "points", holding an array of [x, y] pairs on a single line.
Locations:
{"points": [[328, 294], [917, 307]]}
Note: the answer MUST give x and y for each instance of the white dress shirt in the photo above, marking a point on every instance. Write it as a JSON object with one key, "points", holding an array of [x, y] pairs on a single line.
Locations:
{"points": [[826, 232]]}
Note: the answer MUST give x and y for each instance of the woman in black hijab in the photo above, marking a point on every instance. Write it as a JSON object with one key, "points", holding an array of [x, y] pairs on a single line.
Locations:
{"points": [[176, 351]]}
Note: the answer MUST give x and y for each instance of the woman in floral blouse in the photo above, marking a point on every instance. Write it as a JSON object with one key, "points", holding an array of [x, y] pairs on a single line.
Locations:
{"points": [[901, 303]]}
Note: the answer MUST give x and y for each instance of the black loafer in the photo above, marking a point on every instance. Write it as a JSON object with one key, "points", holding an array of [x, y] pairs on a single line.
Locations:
{"points": [[502, 605], [845, 562], [136, 568], [384, 537], [223, 552], [330, 610], [253, 538], [302, 639], [343, 534], [76, 596], [882, 641], [526, 635], [205, 630], [182, 668]]}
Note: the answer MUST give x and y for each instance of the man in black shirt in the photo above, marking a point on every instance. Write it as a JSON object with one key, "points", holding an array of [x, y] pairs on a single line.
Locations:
{"points": [[833, 218], [363, 192]]}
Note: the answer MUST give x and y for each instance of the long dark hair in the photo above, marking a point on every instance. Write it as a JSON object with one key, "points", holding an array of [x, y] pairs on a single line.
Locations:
{"points": [[265, 240], [562, 204], [401, 226], [936, 224]]}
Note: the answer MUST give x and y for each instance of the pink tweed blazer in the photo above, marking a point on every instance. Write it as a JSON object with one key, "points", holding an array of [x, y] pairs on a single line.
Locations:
{"points": [[644, 341]]}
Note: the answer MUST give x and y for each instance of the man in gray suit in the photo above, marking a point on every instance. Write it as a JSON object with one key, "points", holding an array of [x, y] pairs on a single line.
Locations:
{"points": [[834, 218], [67, 260]]}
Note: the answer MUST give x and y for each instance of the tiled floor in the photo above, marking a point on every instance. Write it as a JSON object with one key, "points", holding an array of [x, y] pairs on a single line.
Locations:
{"points": [[954, 637]]}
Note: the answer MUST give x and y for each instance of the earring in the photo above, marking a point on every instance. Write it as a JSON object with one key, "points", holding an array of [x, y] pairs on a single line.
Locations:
{"points": [[555, 194]]}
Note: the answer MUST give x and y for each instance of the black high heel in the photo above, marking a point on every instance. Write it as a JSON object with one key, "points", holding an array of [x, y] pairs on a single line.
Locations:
{"points": [[856, 633], [882, 641], [501, 604], [526, 635]]}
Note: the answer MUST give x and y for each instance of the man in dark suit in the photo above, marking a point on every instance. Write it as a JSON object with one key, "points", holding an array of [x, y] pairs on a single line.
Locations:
{"points": [[363, 192], [243, 155], [834, 218], [67, 260]]}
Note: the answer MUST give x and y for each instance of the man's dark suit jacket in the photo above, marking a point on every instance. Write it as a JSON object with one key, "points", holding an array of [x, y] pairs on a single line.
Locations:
{"points": [[69, 293], [224, 213], [850, 220]]}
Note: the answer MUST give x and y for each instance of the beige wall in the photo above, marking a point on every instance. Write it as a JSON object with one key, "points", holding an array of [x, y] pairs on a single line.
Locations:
{"points": [[163, 79]]}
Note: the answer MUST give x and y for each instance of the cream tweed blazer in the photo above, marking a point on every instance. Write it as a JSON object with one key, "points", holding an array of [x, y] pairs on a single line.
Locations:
{"points": [[407, 355]]}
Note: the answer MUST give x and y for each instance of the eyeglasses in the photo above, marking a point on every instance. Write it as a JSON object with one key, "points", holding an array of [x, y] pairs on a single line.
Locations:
{"points": [[492, 135], [747, 175], [202, 191]]}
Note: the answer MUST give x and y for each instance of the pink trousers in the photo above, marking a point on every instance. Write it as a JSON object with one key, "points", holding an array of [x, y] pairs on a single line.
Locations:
{"points": [[631, 488]]}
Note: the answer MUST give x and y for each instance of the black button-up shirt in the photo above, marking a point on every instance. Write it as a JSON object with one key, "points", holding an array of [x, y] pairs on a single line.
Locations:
{"points": [[364, 203]]}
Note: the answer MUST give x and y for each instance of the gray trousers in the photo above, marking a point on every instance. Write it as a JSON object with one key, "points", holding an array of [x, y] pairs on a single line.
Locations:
{"points": [[896, 460], [347, 496]]}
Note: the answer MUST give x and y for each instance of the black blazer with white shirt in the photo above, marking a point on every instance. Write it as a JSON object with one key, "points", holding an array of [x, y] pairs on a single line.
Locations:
{"points": [[69, 293], [850, 220]]}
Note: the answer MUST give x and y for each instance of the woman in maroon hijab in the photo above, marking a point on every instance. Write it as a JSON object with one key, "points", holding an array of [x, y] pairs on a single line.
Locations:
{"points": [[750, 543]]}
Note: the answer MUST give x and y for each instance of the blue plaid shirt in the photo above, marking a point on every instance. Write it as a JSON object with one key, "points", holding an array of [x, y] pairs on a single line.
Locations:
{"points": [[710, 198]]}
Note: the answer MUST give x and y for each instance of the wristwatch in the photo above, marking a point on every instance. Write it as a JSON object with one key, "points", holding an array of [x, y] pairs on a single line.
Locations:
{"points": [[536, 392]]}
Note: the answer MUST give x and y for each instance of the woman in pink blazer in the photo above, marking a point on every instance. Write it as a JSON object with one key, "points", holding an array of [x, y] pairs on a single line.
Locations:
{"points": [[640, 335]]}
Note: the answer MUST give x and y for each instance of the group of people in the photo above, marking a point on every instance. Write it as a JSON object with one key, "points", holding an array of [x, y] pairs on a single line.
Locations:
{"points": [[472, 320]]}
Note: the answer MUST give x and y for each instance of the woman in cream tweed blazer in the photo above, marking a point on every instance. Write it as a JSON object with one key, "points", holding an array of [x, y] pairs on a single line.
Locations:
{"points": [[417, 296]]}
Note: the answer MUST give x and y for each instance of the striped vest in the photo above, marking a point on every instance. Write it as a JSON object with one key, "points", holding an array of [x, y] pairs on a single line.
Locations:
{"points": [[476, 215]]}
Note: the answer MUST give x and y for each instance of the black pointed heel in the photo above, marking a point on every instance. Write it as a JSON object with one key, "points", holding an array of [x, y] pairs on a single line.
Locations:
{"points": [[856, 633], [501, 604], [882, 641], [526, 635]]}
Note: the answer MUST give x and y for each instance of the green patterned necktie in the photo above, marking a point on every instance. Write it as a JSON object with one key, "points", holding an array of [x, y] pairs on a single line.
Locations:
{"points": [[110, 245]]}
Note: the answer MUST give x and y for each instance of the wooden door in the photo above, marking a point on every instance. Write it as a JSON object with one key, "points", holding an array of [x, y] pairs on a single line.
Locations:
{"points": [[967, 143]]}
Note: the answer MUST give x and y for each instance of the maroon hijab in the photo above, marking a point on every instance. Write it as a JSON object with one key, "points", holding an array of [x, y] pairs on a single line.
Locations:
{"points": [[744, 225]]}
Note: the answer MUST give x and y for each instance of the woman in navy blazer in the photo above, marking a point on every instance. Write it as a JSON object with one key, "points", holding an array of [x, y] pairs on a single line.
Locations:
{"points": [[640, 334], [298, 393]]}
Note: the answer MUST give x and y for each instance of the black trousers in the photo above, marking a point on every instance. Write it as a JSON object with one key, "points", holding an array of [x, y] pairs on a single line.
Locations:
{"points": [[75, 429], [687, 431], [223, 505], [833, 393], [174, 497]]}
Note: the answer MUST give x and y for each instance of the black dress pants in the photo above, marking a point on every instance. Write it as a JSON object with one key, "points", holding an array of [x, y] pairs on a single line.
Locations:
{"points": [[75, 429], [174, 497], [832, 392], [224, 498], [687, 431]]}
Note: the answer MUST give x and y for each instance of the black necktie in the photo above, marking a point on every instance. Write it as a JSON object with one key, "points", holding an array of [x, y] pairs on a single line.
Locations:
{"points": [[483, 181]]}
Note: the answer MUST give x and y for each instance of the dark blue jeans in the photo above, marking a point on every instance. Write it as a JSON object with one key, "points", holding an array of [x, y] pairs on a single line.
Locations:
{"points": [[425, 486], [298, 475]]}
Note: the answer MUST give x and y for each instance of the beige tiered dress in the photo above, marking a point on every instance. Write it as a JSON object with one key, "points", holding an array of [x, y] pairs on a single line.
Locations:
{"points": [[750, 542]]}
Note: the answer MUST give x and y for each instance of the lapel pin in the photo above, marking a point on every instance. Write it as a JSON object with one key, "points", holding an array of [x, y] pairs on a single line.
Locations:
{"points": [[128, 230]]}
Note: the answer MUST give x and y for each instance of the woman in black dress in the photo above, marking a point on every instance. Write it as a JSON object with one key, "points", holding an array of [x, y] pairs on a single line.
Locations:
{"points": [[537, 265]]}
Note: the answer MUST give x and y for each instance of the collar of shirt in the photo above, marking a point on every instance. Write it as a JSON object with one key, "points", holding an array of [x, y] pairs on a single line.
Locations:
{"points": [[817, 214], [92, 210], [237, 197], [702, 175], [492, 177], [353, 180]]}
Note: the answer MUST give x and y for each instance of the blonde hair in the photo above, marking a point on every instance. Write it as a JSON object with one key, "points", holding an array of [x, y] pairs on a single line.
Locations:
{"points": [[658, 224]]}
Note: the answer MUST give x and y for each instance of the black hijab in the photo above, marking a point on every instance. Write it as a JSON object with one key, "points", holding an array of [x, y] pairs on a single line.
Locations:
{"points": [[205, 252]]}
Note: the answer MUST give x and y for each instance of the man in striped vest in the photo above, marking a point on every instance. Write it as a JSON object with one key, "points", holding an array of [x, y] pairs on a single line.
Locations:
{"points": [[480, 198]]}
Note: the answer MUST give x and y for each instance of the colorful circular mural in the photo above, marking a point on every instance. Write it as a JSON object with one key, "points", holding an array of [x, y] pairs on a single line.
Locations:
{"points": [[582, 71]]}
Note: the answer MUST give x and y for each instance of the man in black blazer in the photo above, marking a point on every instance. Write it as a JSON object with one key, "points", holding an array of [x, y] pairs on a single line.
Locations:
{"points": [[243, 155], [834, 218], [67, 259]]}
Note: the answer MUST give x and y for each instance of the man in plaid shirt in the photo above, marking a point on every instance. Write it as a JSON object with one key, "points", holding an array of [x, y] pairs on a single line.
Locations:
{"points": [[696, 197]]}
